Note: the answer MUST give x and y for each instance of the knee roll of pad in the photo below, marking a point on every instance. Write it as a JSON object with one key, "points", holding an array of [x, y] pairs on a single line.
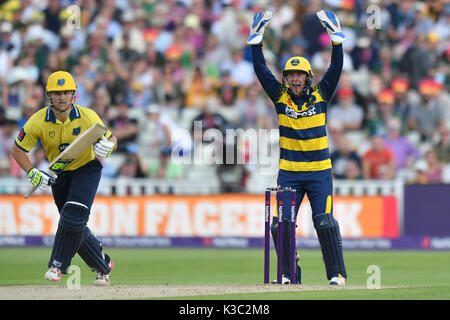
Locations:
{"points": [[74, 217], [329, 235]]}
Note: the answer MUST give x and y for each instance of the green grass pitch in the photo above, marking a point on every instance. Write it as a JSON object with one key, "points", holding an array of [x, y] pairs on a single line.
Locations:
{"points": [[420, 274]]}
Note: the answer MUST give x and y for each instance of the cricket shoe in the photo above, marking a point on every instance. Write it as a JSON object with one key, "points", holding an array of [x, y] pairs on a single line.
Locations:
{"points": [[338, 280], [53, 274], [284, 280], [103, 279]]}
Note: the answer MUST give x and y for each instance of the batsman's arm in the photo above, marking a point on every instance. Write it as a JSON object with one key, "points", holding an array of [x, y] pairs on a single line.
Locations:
{"points": [[21, 158], [268, 81], [38, 179]]}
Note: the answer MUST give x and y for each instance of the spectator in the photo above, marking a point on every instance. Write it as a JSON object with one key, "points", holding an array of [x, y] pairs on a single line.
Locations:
{"points": [[342, 154], [6, 58], [430, 169], [352, 170], [252, 110], [101, 104], [241, 71], [96, 50], [130, 41], [168, 90], [124, 127], [114, 85], [416, 61], [209, 118], [402, 103], [133, 166], [7, 135], [349, 114], [335, 130], [442, 147], [428, 116], [142, 80], [379, 161], [404, 151], [165, 168], [52, 16], [385, 112], [226, 90], [27, 111], [167, 135], [196, 89], [11, 41], [85, 81], [126, 53]]}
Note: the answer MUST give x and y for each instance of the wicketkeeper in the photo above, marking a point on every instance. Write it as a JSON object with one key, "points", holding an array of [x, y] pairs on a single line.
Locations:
{"points": [[74, 189], [305, 163]]}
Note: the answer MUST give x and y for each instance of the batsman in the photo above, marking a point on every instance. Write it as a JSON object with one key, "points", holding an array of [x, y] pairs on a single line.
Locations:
{"points": [[305, 163], [74, 189]]}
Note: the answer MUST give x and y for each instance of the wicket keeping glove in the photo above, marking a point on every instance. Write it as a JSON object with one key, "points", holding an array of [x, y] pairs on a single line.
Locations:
{"points": [[40, 179], [260, 21], [331, 23], [103, 148]]}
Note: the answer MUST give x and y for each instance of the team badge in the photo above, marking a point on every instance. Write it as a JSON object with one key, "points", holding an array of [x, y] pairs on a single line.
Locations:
{"points": [[295, 62], [51, 134], [76, 131], [61, 82]]}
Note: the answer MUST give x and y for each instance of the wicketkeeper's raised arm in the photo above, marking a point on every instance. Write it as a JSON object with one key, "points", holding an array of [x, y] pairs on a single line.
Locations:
{"points": [[331, 77], [268, 81]]}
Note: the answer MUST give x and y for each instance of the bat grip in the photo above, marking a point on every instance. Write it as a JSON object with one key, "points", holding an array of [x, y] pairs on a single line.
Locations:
{"points": [[29, 193]]}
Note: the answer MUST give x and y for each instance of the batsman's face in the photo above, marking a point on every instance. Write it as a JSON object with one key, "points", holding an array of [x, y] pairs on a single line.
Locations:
{"points": [[296, 81], [61, 100]]}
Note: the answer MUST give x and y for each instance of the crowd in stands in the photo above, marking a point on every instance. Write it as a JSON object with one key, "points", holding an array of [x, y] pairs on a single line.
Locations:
{"points": [[148, 67]]}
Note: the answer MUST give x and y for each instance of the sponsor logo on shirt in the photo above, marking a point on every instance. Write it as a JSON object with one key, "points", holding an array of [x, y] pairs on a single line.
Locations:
{"points": [[294, 114]]}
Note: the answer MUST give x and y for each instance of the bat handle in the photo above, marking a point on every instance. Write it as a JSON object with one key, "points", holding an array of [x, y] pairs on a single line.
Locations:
{"points": [[29, 193]]}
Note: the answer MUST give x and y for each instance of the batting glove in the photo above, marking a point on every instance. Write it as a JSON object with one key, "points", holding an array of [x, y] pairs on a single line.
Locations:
{"points": [[40, 179], [260, 21], [103, 148], [331, 23]]}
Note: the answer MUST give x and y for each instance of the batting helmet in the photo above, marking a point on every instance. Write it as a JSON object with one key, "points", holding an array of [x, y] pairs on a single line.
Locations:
{"points": [[60, 81]]}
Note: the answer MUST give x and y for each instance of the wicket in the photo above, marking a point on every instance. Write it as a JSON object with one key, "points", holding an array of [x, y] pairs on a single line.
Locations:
{"points": [[280, 192]]}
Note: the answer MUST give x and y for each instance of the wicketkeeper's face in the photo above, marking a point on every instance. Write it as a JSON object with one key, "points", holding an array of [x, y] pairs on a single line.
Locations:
{"points": [[296, 81]]}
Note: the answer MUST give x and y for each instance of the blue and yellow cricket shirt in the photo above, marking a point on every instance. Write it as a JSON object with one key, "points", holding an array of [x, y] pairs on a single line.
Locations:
{"points": [[55, 136], [301, 120]]}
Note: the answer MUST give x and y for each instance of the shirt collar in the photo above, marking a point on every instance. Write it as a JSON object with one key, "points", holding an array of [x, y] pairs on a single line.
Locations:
{"points": [[74, 114]]}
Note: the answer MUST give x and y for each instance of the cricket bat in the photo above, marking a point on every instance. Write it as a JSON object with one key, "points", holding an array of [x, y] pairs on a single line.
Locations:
{"points": [[77, 147]]}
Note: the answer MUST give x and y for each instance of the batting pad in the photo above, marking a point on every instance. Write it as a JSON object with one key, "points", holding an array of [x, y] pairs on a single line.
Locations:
{"points": [[91, 253], [69, 235], [329, 235]]}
